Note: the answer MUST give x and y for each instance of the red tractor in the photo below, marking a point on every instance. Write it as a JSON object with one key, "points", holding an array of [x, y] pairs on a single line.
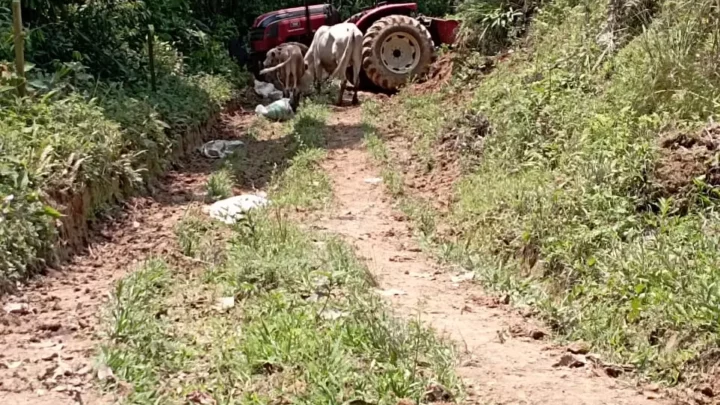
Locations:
{"points": [[398, 42]]}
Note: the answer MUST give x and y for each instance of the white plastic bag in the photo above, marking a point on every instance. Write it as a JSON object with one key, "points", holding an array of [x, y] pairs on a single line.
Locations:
{"points": [[218, 149], [279, 110], [267, 90], [231, 210]]}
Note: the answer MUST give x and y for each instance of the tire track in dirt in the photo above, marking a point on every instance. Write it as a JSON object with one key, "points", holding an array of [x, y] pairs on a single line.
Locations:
{"points": [[48, 344], [497, 368]]}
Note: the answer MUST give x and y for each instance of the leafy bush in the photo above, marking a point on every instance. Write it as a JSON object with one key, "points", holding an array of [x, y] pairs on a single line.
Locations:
{"points": [[490, 25]]}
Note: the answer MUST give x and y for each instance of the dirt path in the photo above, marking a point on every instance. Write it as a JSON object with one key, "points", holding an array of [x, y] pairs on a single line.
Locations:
{"points": [[502, 364], [48, 345]]}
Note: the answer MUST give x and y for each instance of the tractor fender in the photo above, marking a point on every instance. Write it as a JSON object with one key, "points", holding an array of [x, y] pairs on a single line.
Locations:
{"points": [[369, 18]]}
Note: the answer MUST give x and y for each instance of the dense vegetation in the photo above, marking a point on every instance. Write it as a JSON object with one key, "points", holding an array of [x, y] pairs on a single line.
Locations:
{"points": [[91, 129], [596, 195]]}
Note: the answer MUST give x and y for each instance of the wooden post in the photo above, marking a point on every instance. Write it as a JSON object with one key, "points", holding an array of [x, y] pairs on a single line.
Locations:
{"points": [[151, 55], [19, 47]]}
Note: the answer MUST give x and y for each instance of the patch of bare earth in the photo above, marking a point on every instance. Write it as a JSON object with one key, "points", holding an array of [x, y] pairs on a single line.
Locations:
{"points": [[50, 329], [506, 357], [685, 157]]}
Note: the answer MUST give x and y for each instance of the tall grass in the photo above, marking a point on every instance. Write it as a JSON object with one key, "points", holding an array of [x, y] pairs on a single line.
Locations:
{"points": [[562, 213]]}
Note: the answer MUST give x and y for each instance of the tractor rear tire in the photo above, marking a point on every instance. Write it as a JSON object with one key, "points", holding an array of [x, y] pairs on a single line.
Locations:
{"points": [[395, 48]]}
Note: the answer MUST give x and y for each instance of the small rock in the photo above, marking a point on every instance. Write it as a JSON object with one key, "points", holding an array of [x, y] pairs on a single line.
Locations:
{"points": [[613, 371], [50, 326], [17, 308], [225, 303], [373, 180], [579, 347], [105, 373], [570, 360], [437, 393], [707, 390], [537, 334], [463, 277], [13, 365]]}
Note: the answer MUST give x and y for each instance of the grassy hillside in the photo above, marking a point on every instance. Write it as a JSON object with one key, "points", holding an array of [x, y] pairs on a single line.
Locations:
{"points": [[594, 197], [91, 129]]}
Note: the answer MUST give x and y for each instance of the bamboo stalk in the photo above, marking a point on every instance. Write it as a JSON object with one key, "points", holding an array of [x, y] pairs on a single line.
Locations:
{"points": [[151, 55], [19, 47]]}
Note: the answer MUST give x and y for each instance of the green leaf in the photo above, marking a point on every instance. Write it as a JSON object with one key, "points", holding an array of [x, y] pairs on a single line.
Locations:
{"points": [[52, 212]]}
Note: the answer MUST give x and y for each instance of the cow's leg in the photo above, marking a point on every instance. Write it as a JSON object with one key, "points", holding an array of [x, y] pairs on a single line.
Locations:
{"points": [[317, 76], [342, 91]]}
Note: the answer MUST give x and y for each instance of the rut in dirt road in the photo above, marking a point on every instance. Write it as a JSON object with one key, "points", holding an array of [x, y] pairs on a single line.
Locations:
{"points": [[502, 363], [48, 343]]}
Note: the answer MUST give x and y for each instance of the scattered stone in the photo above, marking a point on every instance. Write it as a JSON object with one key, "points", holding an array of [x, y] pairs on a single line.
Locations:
{"points": [[13, 365], [579, 347], [707, 390], [50, 326], [437, 393], [537, 334], [17, 308], [225, 303], [613, 371], [105, 373], [463, 277], [570, 361]]}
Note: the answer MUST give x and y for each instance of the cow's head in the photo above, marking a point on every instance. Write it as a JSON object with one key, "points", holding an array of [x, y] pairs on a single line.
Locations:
{"points": [[271, 59]]}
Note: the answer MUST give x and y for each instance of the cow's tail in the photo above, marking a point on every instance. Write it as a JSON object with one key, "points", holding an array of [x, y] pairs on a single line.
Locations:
{"points": [[276, 67], [339, 72]]}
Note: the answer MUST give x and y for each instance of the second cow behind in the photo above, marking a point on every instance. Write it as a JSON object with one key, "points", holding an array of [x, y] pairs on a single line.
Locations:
{"points": [[288, 60]]}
